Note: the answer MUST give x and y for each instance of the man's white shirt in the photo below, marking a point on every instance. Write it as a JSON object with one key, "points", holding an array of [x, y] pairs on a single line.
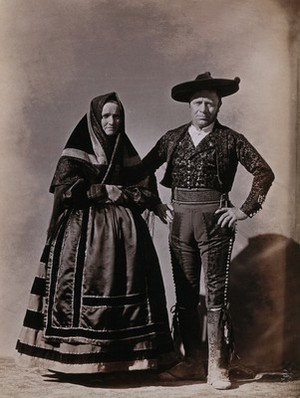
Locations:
{"points": [[197, 135]]}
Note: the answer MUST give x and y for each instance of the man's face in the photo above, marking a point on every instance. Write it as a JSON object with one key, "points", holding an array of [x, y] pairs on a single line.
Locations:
{"points": [[111, 118], [204, 106]]}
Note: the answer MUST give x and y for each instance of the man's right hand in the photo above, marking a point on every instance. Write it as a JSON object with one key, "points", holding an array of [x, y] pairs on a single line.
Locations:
{"points": [[164, 212]]}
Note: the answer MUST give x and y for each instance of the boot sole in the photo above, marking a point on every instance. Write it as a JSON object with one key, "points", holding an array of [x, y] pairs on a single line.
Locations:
{"points": [[168, 376], [225, 386]]}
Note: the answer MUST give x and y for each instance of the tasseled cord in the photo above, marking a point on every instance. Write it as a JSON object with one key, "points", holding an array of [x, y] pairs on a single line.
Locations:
{"points": [[175, 331], [228, 332]]}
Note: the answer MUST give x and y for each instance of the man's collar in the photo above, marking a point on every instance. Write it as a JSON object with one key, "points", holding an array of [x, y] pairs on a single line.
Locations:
{"points": [[206, 129]]}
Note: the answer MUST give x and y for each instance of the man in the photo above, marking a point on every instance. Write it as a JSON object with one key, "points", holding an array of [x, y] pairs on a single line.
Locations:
{"points": [[202, 157]]}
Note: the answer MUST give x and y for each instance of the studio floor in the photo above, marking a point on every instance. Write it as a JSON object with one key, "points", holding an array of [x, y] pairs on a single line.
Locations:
{"points": [[29, 383]]}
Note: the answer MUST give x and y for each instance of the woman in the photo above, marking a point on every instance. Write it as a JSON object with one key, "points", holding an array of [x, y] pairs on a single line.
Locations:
{"points": [[98, 302]]}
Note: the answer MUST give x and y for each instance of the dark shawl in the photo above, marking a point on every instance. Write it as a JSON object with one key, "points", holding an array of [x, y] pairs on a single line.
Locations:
{"points": [[91, 161], [93, 156]]}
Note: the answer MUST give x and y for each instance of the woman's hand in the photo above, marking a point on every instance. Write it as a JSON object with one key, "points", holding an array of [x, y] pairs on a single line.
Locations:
{"points": [[114, 193], [164, 212], [229, 216]]}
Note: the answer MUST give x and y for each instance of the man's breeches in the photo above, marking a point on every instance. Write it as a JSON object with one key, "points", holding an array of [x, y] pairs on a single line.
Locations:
{"points": [[196, 240]]}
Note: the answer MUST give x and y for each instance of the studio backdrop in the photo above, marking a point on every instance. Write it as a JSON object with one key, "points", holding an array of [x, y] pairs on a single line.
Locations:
{"points": [[58, 54]]}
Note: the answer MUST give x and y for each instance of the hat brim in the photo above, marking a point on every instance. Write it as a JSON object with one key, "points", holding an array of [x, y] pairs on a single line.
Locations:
{"points": [[184, 91]]}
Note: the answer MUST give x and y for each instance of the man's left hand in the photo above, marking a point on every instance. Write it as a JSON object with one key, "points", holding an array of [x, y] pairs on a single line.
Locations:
{"points": [[229, 216], [165, 212]]}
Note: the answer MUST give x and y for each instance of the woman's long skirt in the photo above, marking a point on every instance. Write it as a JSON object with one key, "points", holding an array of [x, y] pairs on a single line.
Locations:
{"points": [[97, 303]]}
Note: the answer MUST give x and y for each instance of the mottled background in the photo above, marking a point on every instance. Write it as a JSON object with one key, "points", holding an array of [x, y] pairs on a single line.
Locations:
{"points": [[58, 54]]}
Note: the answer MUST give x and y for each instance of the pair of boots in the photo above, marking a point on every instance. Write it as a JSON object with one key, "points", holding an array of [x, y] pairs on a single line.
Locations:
{"points": [[192, 367]]}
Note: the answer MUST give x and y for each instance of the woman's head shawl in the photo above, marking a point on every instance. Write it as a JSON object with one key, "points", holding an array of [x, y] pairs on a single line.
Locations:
{"points": [[97, 158]]}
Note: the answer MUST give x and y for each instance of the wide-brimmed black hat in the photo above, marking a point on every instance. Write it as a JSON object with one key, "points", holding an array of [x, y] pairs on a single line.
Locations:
{"points": [[184, 91]]}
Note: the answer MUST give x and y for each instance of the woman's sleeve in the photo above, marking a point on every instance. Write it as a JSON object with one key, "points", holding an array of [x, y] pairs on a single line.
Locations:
{"points": [[69, 188], [145, 194], [78, 192], [67, 172], [142, 196], [57, 209]]}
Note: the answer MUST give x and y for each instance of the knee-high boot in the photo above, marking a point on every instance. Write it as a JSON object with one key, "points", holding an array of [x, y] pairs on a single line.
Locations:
{"points": [[218, 352], [192, 366], [190, 331]]}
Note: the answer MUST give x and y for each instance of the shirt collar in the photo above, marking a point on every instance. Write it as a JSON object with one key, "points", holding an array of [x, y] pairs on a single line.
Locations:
{"points": [[206, 129]]}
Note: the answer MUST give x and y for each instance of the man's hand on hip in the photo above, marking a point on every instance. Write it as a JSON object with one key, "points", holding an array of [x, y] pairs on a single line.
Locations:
{"points": [[229, 216], [164, 212]]}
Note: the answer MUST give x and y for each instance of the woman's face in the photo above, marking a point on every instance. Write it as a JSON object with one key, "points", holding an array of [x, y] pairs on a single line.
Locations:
{"points": [[111, 118]]}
